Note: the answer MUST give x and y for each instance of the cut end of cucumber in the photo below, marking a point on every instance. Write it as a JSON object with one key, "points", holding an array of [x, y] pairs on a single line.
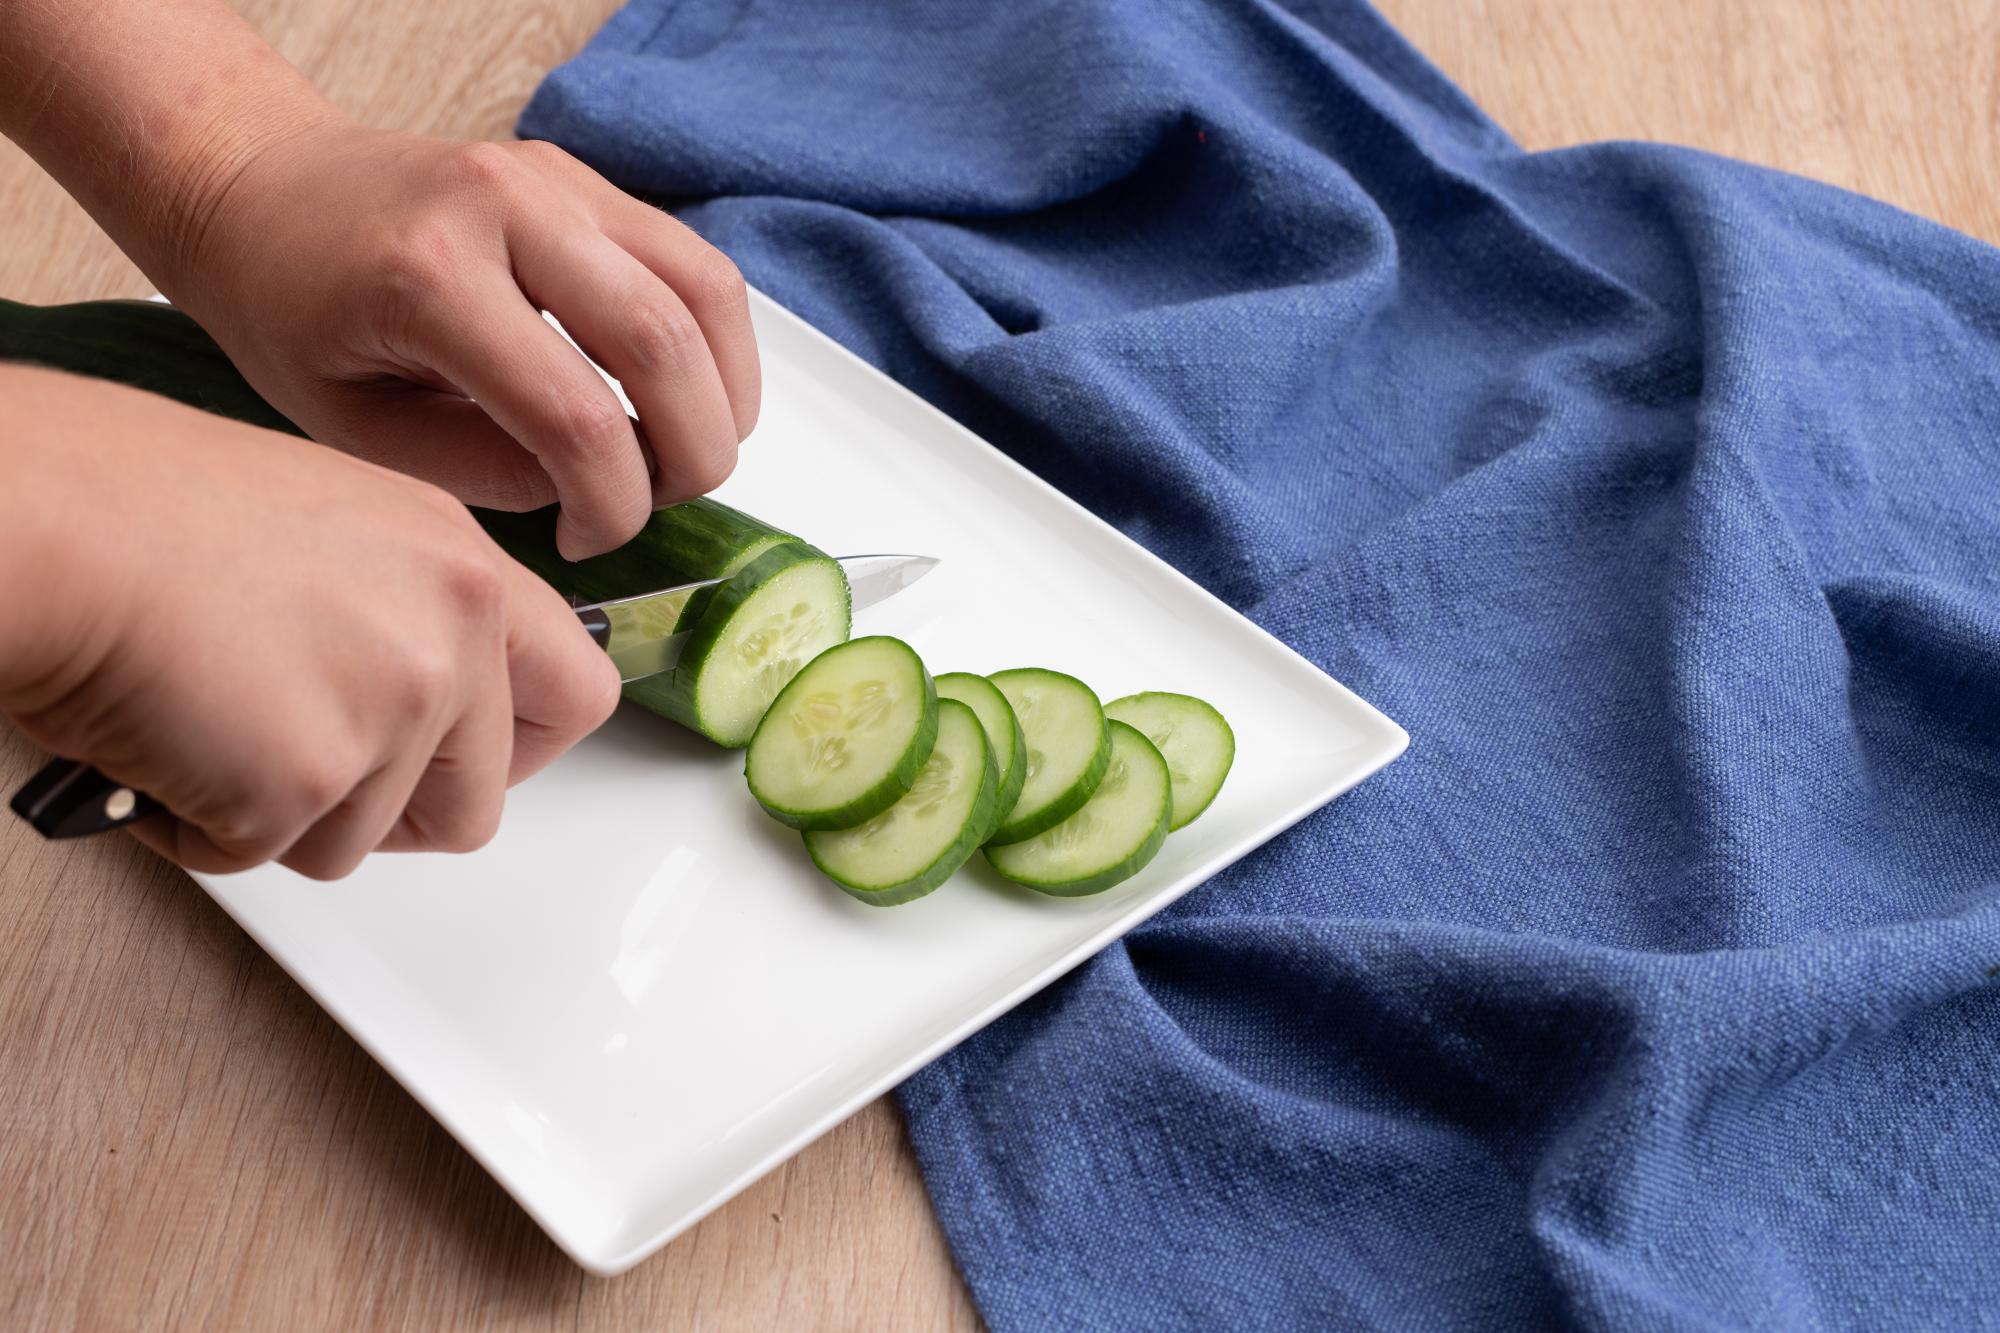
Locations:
{"points": [[1191, 736], [1117, 832], [1066, 748], [920, 841], [845, 739], [789, 620]]}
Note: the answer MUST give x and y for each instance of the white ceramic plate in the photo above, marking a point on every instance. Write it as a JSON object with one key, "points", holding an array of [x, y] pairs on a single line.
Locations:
{"points": [[641, 997]]}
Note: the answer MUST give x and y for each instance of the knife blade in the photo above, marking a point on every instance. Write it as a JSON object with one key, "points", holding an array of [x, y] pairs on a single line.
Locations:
{"points": [[70, 799], [638, 631]]}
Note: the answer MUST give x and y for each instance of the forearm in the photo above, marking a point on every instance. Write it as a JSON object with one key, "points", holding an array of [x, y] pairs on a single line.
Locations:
{"points": [[145, 110]]}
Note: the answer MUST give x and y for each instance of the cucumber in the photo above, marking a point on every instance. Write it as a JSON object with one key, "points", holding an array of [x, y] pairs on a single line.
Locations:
{"points": [[1118, 830], [744, 641], [1003, 734], [1191, 736], [846, 738], [683, 543], [920, 841], [1066, 746], [143, 344]]}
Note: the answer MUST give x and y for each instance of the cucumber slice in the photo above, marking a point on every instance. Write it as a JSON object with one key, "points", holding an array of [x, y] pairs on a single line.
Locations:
{"points": [[1191, 736], [845, 739], [917, 843], [749, 638], [1003, 734], [1111, 838], [1066, 745]]}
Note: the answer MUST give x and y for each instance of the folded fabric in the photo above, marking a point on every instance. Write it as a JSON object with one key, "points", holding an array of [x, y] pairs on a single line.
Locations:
{"points": [[1658, 496]]}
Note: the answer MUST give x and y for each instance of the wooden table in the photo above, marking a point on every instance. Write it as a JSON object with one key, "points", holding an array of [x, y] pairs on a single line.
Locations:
{"points": [[185, 1139]]}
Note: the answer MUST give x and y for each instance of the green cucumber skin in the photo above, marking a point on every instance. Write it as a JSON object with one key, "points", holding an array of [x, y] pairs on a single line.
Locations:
{"points": [[1140, 858], [952, 858], [683, 543], [143, 344], [676, 694], [1182, 821], [1016, 775], [891, 789], [1072, 800]]}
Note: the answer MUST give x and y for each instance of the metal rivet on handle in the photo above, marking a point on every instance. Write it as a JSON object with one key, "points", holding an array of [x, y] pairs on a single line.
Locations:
{"points": [[119, 803]]}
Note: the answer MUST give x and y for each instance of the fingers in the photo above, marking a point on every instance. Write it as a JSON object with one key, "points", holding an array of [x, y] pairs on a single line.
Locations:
{"points": [[447, 440], [704, 278], [547, 398], [336, 844], [193, 848], [563, 684], [261, 820], [456, 804], [640, 330], [710, 286]]}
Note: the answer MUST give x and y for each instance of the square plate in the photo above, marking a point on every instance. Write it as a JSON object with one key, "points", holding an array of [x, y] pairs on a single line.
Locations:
{"points": [[640, 997]]}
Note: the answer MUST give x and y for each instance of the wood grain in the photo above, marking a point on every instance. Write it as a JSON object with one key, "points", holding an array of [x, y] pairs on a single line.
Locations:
{"points": [[186, 1140]]}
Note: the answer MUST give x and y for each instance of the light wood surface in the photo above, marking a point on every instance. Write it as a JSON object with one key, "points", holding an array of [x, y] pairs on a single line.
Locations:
{"points": [[186, 1140]]}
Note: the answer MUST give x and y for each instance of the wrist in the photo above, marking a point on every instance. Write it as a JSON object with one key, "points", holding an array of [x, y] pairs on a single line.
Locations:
{"points": [[57, 620], [186, 235], [146, 111]]}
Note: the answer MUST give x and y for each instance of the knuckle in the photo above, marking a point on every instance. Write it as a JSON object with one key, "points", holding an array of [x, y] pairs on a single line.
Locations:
{"points": [[701, 471], [469, 828], [417, 263], [517, 488], [474, 587], [541, 150], [319, 784], [420, 683], [482, 165], [249, 836], [718, 282], [589, 421], [661, 338]]}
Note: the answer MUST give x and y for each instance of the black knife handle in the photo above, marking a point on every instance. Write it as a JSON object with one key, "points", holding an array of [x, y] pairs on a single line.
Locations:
{"points": [[597, 625], [68, 799]]}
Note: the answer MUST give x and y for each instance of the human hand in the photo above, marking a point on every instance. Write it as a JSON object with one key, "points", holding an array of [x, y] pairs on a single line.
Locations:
{"points": [[383, 291], [303, 656]]}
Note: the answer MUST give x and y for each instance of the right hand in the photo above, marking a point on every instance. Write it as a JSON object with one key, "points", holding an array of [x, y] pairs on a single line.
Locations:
{"points": [[303, 656]]}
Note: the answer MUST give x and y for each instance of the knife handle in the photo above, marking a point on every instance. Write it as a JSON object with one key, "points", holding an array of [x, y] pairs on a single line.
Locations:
{"points": [[68, 799], [597, 625]]}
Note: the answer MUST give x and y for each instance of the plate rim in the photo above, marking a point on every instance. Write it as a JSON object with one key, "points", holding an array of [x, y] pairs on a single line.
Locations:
{"points": [[626, 1251]]}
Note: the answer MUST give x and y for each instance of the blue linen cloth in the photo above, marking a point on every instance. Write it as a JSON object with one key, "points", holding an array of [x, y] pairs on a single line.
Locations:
{"points": [[1658, 985]]}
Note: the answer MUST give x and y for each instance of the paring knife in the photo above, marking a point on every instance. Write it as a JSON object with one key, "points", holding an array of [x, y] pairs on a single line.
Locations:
{"points": [[68, 799]]}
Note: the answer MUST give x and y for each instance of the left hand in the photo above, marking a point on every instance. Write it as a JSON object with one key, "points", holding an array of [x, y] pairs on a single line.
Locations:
{"points": [[385, 290]]}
